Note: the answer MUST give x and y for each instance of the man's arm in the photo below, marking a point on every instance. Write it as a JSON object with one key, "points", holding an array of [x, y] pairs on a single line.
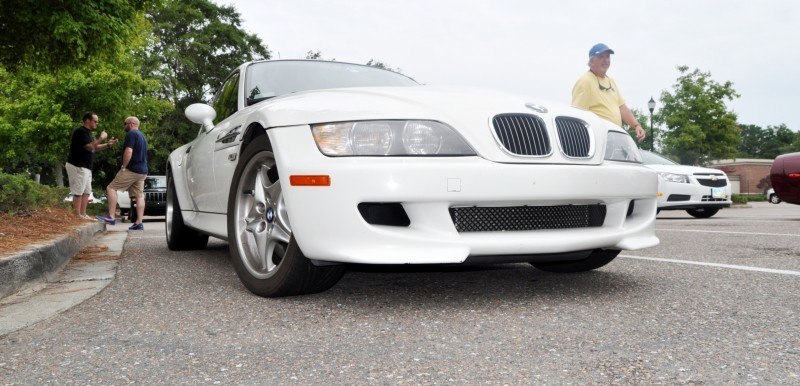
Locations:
{"points": [[126, 157], [98, 144], [580, 95], [627, 117]]}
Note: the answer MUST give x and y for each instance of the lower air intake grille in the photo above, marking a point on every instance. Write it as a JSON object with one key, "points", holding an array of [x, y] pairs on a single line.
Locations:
{"points": [[709, 198], [527, 218], [522, 134]]}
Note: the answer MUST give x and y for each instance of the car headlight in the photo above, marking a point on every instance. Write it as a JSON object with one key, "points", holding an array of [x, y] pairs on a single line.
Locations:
{"points": [[389, 138], [620, 147], [672, 177]]}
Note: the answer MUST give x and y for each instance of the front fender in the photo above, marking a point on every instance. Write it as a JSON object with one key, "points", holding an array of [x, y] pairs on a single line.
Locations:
{"points": [[176, 164]]}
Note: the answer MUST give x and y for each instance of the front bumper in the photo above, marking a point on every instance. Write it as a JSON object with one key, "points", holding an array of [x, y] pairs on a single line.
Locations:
{"points": [[681, 196], [328, 226]]}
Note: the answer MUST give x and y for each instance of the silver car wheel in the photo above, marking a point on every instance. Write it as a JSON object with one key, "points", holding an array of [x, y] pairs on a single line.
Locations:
{"points": [[261, 228]]}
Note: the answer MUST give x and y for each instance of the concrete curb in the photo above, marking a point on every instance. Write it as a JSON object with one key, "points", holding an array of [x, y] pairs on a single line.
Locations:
{"points": [[41, 262]]}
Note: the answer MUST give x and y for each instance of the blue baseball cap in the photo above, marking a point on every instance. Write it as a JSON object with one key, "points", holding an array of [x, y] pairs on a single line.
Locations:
{"points": [[599, 48]]}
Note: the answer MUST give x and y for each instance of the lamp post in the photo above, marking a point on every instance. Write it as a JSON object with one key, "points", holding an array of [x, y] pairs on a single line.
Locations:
{"points": [[652, 106]]}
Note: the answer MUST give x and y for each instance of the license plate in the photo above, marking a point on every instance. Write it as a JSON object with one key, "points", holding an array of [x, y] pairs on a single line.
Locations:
{"points": [[718, 193]]}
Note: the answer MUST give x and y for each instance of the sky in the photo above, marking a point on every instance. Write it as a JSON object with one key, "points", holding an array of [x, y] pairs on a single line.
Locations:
{"points": [[539, 48]]}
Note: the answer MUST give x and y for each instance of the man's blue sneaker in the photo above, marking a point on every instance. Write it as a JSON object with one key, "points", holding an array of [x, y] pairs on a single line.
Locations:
{"points": [[107, 220], [136, 227]]}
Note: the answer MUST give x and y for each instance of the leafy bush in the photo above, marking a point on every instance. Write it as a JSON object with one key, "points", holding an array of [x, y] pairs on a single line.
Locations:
{"points": [[739, 198], [745, 198], [756, 197], [18, 193]]}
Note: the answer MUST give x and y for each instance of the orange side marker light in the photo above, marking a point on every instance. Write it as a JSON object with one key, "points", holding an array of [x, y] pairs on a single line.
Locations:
{"points": [[310, 180]]}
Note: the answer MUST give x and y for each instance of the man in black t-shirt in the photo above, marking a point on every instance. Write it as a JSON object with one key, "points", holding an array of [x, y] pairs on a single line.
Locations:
{"points": [[80, 159]]}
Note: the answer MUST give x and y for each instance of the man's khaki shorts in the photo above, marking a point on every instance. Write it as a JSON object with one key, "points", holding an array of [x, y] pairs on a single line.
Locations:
{"points": [[130, 181], [80, 179]]}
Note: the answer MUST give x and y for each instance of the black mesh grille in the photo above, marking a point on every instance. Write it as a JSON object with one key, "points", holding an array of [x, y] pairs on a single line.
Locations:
{"points": [[713, 183], [573, 135], [712, 199], [522, 134], [526, 218]]}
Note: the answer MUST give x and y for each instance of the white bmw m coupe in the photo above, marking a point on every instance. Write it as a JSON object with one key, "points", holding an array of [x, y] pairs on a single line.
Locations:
{"points": [[305, 166]]}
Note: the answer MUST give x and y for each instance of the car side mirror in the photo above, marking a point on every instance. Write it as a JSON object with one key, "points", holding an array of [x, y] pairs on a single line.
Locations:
{"points": [[201, 113]]}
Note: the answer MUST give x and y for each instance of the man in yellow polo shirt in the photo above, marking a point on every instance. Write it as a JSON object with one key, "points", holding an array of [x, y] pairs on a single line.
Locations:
{"points": [[597, 92]]}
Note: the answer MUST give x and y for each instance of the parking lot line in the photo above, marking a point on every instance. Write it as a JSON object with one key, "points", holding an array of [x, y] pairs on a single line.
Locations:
{"points": [[728, 232], [716, 265]]}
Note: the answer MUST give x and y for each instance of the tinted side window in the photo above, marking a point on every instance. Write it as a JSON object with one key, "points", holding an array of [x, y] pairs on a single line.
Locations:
{"points": [[226, 101]]}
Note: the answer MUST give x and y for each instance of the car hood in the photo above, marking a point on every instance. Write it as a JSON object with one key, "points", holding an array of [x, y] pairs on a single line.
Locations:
{"points": [[468, 110], [684, 169]]}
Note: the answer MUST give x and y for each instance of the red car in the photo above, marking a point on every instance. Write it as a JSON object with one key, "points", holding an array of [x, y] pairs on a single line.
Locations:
{"points": [[785, 176]]}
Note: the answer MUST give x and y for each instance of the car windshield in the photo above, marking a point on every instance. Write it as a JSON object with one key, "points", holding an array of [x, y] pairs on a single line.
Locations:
{"points": [[270, 79], [655, 159], [155, 182]]}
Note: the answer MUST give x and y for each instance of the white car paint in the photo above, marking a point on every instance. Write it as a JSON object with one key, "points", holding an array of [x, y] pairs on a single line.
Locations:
{"points": [[327, 224], [123, 199], [696, 192]]}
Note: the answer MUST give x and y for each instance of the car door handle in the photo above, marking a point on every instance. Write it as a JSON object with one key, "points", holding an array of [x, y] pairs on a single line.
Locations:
{"points": [[230, 135]]}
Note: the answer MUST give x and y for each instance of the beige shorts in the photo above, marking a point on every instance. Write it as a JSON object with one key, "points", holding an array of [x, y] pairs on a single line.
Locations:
{"points": [[130, 181], [80, 179]]}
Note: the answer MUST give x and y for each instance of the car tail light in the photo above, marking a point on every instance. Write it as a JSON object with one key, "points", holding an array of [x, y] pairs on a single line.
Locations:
{"points": [[794, 175]]}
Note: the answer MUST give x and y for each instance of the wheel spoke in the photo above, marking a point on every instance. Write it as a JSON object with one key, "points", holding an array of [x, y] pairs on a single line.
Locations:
{"points": [[262, 246], [259, 188], [273, 191], [269, 253]]}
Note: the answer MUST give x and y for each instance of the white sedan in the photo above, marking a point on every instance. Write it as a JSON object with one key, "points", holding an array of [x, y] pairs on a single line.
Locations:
{"points": [[304, 166], [772, 197], [701, 192]]}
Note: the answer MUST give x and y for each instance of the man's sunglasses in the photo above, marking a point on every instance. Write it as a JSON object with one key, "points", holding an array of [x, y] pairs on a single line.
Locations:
{"points": [[603, 88]]}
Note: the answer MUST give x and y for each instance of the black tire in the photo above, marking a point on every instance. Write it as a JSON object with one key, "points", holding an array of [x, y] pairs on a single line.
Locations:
{"points": [[132, 212], [774, 199], [597, 259], [263, 249], [179, 236], [702, 212]]}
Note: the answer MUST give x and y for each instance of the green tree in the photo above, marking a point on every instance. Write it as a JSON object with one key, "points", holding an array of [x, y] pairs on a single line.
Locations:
{"points": [[769, 143], [751, 139], [57, 34], [781, 140], [699, 126], [655, 133], [43, 109], [40, 108], [382, 65], [314, 55], [195, 45]]}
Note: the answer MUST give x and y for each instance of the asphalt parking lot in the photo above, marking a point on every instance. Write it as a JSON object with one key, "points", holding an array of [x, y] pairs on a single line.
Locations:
{"points": [[715, 302]]}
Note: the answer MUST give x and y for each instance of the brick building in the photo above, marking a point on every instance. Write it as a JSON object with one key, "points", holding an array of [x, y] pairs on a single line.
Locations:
{"points": [[747, 175]]}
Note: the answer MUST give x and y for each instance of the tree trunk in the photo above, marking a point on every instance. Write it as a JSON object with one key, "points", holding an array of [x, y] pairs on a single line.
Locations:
{"points": [[59, 174]]}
